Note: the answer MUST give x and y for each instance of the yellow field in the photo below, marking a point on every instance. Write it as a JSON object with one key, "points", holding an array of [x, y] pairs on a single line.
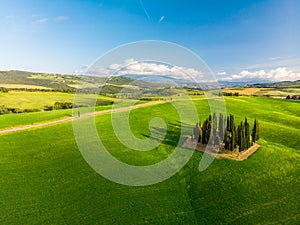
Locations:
{"points": [[23, 86], [246, 91], [30, 100]]}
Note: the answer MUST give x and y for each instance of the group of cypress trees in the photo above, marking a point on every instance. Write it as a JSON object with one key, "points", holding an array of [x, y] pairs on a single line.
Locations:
{"points": [[214, 129]]}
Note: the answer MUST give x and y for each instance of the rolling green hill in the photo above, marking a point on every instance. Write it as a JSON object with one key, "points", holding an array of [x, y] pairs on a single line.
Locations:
{"points": [[28, 81], [45, 180]]}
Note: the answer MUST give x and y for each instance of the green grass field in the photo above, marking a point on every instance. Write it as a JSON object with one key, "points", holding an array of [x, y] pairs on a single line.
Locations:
{"points": [[45, 180], [37, 100], [12, 120], [23, 119]]}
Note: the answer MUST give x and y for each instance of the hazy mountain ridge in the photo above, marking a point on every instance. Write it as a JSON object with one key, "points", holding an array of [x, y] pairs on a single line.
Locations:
{"points": [[65, 81], [281, 84]]}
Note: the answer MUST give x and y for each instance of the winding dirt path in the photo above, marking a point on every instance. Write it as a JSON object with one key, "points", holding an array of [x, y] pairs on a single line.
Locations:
{"points": [[63, 120]]}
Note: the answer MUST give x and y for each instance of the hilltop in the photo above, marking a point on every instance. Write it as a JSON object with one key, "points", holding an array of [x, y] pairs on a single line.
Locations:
{"points": [[131, 87]]}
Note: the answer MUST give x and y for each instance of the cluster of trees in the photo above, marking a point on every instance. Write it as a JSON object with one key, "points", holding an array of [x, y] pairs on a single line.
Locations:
{"points": [[64, 90], [230, 94], [194, 91], [293, 97], [59, 105], [151, 99], [62, 105], [7, 110], [70, 105], [3, 89], [214, 129]]}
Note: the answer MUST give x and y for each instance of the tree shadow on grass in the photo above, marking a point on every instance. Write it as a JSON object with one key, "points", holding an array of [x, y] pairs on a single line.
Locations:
{"points": [[173, 133], [183, 125]]}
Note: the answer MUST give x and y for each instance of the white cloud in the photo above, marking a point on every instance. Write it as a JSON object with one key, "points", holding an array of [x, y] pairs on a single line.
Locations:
{"points": [[161, 19], [41, 21], [81, 70], [222, 73], [278, 74], [132, 66], [61, 18], [275, 62]]}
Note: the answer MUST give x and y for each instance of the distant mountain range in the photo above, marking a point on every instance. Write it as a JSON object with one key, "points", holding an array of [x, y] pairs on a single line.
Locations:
{"points": [[212, 85], [61, 81], [282, 84], [162, 79], [262, 84]]}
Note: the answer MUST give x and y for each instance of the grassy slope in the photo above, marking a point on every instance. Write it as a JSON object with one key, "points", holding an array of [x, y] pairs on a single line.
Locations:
{"points": [[31, 100], [14, 120], [21, 119], [51, 183]]}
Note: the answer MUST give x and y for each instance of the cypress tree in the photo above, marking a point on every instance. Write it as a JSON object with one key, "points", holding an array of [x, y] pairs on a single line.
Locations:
{"points": [[217, 140], [215, 124], [197, 132], [214, 128], [194, 132], [239, 136], [255, 131], [228, 124], [200, 135], [232, 126], [208, 132], [204, 131], [227, 140], [247, 134], [221, 126], [236, 136], [242, 137], [232, 141]]}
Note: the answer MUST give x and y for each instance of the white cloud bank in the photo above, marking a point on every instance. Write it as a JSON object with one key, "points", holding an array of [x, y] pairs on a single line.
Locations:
{"points": [[132, 66], [278, 74]]}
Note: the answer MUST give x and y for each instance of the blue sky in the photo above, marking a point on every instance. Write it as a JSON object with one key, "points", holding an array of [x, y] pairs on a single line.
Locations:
{"points": [[237, 39]]}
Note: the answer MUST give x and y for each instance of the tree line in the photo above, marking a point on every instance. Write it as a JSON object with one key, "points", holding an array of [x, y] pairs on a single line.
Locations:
{"points": [[214, 129], [293, 97], [7, 110], [230, 94], [3, 89], [63, 90]]}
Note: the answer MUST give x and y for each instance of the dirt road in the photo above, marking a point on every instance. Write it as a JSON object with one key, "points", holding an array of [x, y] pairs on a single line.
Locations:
{"points": [[53, 122]]}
